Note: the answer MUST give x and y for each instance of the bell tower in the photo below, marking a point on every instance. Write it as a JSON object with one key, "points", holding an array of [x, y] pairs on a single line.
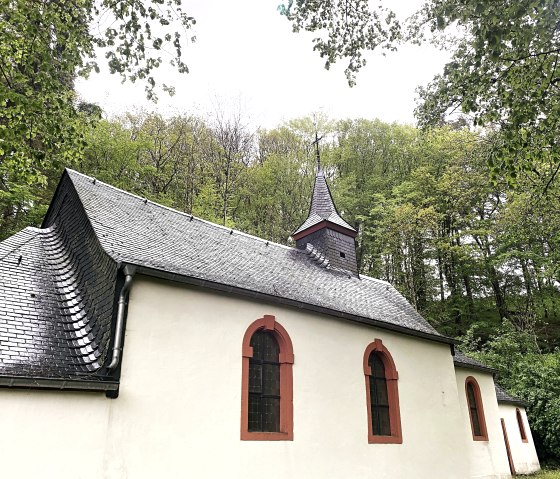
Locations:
{"points": [[325, 230]]}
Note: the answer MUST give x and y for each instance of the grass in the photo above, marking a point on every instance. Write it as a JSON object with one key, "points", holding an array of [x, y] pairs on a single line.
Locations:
{"points": [[546, 474]]}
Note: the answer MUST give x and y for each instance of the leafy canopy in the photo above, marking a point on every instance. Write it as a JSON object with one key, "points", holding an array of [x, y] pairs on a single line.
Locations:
{"points": [[504, 73], [43, 46], [345, 29]]}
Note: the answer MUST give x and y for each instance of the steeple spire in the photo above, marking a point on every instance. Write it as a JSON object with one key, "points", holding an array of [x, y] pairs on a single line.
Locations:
{"points": [[324, 228]]}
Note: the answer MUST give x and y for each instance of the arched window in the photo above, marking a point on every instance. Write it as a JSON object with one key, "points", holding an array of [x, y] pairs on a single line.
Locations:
{"points": [[382, 394], [476, 410], [521, 425], [266, 383]]}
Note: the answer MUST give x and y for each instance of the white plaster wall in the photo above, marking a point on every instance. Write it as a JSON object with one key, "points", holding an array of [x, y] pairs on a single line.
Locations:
{"points": [[524, 454], [178, 413], [487, 458]]}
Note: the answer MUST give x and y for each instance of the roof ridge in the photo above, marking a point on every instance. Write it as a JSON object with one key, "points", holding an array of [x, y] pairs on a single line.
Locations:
{"points": [[182, 213]]}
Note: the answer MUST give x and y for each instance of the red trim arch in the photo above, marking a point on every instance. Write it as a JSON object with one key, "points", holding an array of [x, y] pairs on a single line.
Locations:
{"points": [[483, 436], [392, 376], [286, 359], [521, 425]]}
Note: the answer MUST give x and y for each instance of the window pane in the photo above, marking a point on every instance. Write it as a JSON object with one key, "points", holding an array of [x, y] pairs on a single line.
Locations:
{"points": [[255, 377], [475, 422], [520, 424], [264, 383], [376, 365], [271, 379], [375, 427], [470, 392], [270, 348], [380, 421], [473, 409], [384, 422], [379, 398], [257, 344], [271, 414], [381, 390], [255, 413]]}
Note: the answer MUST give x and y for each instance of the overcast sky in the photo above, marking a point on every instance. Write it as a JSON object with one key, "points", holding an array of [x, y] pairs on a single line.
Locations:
{"points": [[247, 57]]}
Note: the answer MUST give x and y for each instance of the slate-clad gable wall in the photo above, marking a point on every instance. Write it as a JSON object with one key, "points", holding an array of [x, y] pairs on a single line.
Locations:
{"points": [[85, 277], [331, 243], [57, 291]]}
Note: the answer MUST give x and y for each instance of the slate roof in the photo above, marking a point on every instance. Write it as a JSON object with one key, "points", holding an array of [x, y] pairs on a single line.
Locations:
{"points": [[132, 230], [322, 206], [58, 284], [57, 289], [505, 398], [462, 361]]}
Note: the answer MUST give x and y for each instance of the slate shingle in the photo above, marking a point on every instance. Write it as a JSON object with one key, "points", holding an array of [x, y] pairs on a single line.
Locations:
{"points": [[462, 360], [57, 289]]}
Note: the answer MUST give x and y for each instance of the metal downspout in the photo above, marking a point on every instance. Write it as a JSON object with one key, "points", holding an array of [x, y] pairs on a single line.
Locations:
{"points": [[119, 327]]}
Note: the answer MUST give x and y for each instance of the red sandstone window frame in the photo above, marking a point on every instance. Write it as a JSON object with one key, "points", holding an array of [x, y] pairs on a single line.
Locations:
{"points": [[392, 376], [286, 358], [479, 408], [521, 425]]}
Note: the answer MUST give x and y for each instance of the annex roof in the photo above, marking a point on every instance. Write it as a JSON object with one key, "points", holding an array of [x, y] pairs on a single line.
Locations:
{"points": [[56, 301], [463, 361], [504, 398]]}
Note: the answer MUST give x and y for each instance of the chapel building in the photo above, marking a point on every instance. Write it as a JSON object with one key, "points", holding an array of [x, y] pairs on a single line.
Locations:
{"points": [[138, 341]]}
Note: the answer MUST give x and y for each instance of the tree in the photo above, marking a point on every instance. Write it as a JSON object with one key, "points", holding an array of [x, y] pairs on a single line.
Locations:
{"points": [[275, 193], [229, 150], [504, 73], [43, 46], [345, 29]]}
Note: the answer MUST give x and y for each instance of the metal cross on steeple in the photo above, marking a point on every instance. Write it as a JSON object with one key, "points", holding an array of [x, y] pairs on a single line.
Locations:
{"points": [[317, 153]]}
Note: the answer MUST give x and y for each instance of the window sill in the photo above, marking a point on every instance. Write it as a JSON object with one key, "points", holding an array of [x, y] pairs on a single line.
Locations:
{"points": [[266, 436], [480, 438], [384, 440]]}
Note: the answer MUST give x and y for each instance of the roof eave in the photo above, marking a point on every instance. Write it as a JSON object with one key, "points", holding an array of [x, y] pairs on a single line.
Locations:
{"points": [[57, 383], [486, 369], [157, 273], [513, 402], [323, 224]]}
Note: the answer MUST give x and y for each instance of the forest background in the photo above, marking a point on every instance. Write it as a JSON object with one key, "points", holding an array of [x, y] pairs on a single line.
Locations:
{"points": [[462, 218]]}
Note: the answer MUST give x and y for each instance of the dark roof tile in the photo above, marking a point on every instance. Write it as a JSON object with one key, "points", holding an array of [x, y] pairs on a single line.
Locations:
{"points": [[57, 284]]}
